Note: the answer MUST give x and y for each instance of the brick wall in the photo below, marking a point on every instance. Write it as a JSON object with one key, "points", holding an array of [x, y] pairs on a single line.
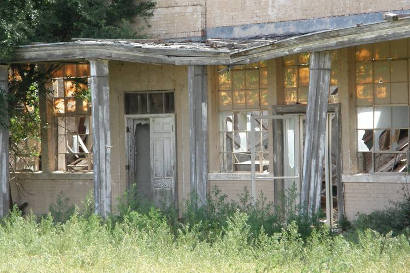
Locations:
{"points": [[181, 19], [239, 12], [234, 189], [41, 190], [367, 197]]}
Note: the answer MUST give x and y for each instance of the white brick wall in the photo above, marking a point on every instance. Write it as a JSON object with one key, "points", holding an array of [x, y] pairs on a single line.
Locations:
{"points": [[367, 197]]}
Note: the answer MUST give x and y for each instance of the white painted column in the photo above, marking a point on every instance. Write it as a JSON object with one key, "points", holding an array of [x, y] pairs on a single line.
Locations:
{"points": [[198, 113], [316, 114], [100, 94], [4, 144]]}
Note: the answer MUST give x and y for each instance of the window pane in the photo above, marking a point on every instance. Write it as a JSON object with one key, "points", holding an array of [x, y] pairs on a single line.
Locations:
{"points": [[365, 118], [252, 79], [365, 161], [304, 76], [382, 117], [364, 94], [390, 162], [226, 122], [290, 77], [169, 103], [238, 78], [381, 50], [240, 143], [364, 140], [381, 72], [70, 88], [290, 95], [399, 140], [83, 70], [70, 105], [398, 49], [59, 107], [364, 53], [239, 99], [304, 58], [399, 71], [382, 140], [156, 103], [225, 80], [252, 99], [382, 93], [242, 162], [290, 60], [303, 94], [70, 70], [264, 97], [399, 93], [264, 77], [364, 72], [136, 103], [241, 121], [400, 117], [225, 100]]}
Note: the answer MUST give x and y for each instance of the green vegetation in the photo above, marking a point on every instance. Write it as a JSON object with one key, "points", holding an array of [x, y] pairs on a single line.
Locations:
{"points": [[223, 237]]}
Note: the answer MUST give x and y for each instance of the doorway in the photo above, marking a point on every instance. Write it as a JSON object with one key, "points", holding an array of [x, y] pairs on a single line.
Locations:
{"points": [[151, 157], [288, 126]]}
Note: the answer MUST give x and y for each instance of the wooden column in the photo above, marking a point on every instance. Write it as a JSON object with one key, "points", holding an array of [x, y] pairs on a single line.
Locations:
{"points": [[100, 89], [198, 113], [316, 115], [4, 144]]}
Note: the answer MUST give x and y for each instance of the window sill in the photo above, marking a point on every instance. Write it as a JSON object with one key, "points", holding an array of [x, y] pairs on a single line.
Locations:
{"points": [[238, 176], [54, 175], [376, 178]]}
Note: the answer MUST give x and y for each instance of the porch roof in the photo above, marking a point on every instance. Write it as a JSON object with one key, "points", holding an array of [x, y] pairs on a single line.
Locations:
{"points": [[212, 52]]}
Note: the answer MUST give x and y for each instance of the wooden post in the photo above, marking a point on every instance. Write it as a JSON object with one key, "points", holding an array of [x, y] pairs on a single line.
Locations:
{"points": [[316, 115], [198, 113], [100, 89], [4, 145]]}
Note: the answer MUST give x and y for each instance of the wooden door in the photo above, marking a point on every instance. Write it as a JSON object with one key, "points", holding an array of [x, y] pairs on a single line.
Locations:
{"points": [[162, 146]]}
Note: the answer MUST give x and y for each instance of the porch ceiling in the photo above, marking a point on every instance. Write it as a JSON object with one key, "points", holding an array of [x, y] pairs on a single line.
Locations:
{"points": [[212, 52]]}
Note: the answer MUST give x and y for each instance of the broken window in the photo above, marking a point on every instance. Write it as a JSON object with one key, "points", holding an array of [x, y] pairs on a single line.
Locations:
{"points": [[382, 99], [242, 91], [72, 111], [296, 79]]}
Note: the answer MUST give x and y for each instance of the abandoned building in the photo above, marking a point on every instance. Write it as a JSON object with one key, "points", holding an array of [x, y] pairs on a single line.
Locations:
{"points": [[223, 98]]}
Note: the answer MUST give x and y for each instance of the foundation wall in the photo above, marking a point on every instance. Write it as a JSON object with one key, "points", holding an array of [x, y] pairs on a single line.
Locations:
{"points": [[234, 189], [367, 197], [41, 190]]}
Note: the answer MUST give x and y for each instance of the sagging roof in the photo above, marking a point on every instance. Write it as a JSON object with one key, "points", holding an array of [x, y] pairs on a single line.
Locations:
{"points": [[212, 52]]}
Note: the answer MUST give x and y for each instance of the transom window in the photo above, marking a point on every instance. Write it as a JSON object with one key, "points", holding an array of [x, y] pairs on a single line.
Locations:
{"points": [[242, 92], [296, 78], [382, 99], [153, 102]]}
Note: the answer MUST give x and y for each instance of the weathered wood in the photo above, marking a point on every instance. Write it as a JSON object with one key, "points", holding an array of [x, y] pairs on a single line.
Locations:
{"points": [[198, 113], [326, 40], [253, 177], [4, 146], [182, 54], [162, 148], [100, 89], [314, 149]]}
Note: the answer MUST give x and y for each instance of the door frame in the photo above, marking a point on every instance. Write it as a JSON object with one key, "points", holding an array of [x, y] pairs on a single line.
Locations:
{"points": [[334, 108], [149, 116]]}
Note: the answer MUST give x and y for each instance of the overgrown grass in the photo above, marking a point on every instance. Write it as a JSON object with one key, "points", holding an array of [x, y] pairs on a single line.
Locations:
{"points": [[221, 237]]}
